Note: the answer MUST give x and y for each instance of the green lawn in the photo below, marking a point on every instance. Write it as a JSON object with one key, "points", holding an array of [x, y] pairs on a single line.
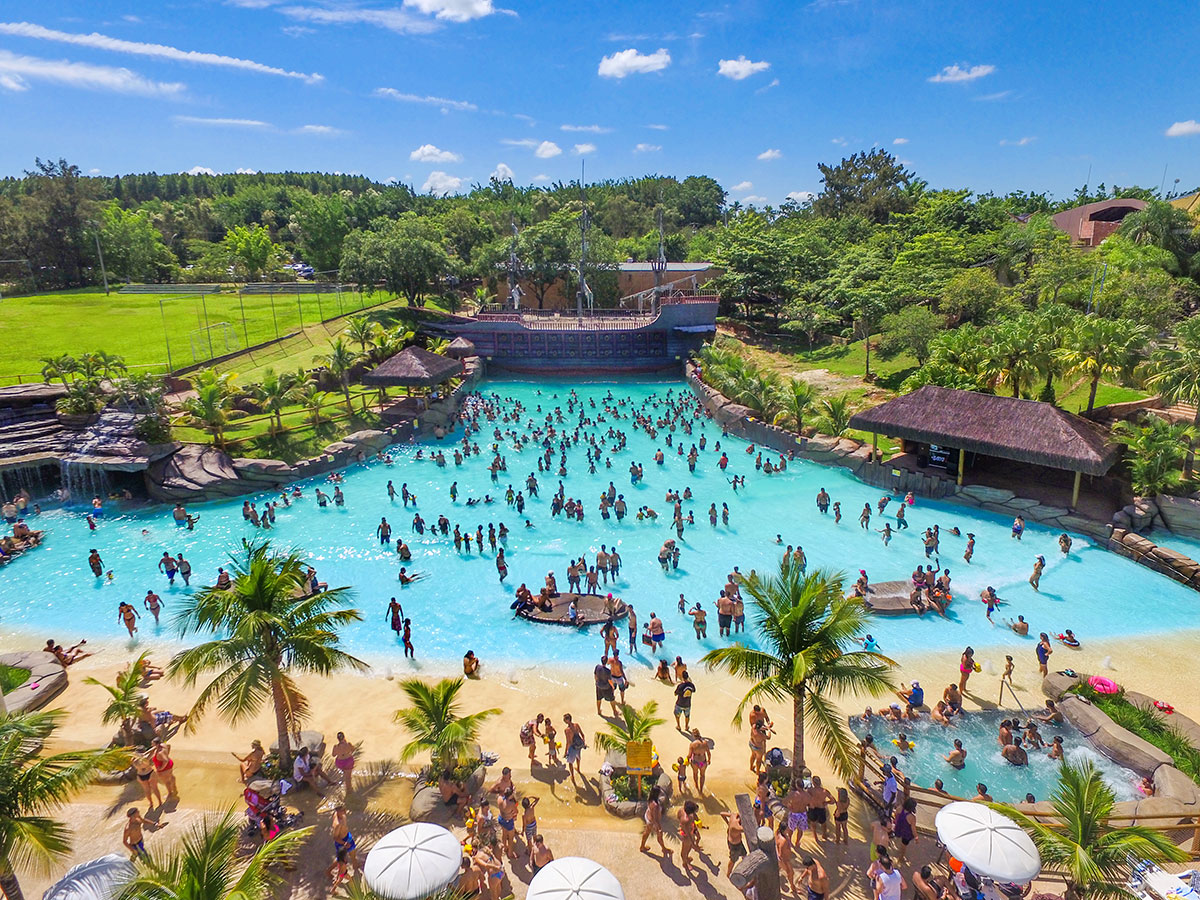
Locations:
{"points": [[132, 325], [1077, 399]]}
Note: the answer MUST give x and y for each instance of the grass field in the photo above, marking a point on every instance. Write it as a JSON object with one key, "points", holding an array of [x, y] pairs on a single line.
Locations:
{"points": [[136, 327]]}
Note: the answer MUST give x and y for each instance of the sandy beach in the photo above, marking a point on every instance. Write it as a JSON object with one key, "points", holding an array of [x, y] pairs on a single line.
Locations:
{"points": [[572, 820]]}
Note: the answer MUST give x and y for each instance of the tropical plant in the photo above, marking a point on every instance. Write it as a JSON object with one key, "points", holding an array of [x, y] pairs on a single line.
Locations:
{"points": [[124, 699], [340, 360], [635, 725], [210, 409], [810, 656], [275, 392], [1091, 855], [1008, 359], [268, 626], [310, 396], [34, 785], [1099, 347], [1156, 449], [83, 398], [60, 367], [437, 345], [1174, 371], [144, 391], [795, 397], [362, 331], [435, 723], [835, 415], [208, 865]]}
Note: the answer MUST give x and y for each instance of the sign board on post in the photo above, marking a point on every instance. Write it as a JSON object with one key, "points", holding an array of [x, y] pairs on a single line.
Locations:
{"points": [[639, 757]]}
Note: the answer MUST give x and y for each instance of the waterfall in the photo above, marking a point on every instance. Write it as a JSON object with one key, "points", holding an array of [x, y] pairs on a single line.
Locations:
{"points": [[26, 478], [81, 482]]}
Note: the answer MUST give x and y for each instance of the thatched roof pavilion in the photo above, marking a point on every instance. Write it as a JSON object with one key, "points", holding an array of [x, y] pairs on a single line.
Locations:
{"points": [[413, 367], [1026, 431], [461, 348]]}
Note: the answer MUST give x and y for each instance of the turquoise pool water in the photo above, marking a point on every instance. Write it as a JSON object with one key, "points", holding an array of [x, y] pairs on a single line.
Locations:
{"points": [[460, 603], [978, 731]]}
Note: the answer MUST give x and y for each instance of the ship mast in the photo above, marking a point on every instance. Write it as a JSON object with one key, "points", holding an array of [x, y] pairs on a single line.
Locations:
{"points": [[585, 223]]}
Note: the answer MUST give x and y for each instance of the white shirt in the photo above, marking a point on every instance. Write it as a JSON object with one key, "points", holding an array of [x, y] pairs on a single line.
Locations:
{"points": [[300, 768], [889, 885]]}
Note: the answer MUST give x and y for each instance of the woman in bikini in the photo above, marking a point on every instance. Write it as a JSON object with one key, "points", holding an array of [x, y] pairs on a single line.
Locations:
{"points": [[699, 756], [164, 766], [251, 764], [143, 767], [653, 819]]}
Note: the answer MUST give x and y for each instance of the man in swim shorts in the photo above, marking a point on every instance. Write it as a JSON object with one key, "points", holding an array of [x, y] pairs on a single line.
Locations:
{"points": [[796, 803]]}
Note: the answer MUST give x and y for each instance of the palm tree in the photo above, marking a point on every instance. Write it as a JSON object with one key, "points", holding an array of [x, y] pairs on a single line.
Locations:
{"points": [[809, 633], [59, 367], [123, 703], [437, 345], [210, 410], [635, 725], [435, 723], [835, 414], [1092, 856], [311, 397], [1175, 373], [275, 392], [1157, 447], [268, 627], [108, 363], [795, 399], [1102, 347], [1009, 356], [340, 360], [362, 331], [207, 865], [35, 786]]}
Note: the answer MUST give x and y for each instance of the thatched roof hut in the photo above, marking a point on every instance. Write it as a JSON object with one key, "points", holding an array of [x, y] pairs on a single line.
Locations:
{"points": [[1026, 431], [1006, 427], [461, 348], [414, 367]]}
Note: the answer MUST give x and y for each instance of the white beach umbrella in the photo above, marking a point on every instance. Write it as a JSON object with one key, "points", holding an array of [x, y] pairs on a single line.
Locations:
{"points": [[98, 879], [574, 878], [413, 861], [988, 843]]}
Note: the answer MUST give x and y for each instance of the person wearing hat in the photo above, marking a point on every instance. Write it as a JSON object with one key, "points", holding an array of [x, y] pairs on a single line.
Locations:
{"points": [[915, 696], [888, 787], [1036, 577]]}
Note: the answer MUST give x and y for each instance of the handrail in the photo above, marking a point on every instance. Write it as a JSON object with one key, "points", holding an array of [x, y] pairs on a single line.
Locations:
{"points": [[999, 700]]}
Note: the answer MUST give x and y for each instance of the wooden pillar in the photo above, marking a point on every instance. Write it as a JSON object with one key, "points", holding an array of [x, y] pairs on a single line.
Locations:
{"points": [[1075, 490], [962, 461], [874, 446]]}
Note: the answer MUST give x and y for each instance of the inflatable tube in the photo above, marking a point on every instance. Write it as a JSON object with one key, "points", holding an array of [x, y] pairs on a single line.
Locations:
{"points": [[1164, 707], [1103, 685]]}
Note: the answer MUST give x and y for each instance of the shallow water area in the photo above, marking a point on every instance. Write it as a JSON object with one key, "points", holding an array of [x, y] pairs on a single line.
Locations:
{"points": [[978, 732], [459, 603]]}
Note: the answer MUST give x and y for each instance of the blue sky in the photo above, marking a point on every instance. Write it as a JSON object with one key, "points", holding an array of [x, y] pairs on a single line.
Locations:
{"points": [[443, 93]]}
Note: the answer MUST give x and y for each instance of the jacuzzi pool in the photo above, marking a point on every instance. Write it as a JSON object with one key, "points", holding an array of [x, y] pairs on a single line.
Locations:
{"points": [[978, 731]]}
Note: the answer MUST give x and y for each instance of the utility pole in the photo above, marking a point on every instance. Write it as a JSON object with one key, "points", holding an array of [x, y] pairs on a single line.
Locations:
{"points": [[659, 266], [99, 253], [514, 268], [584, 224]]}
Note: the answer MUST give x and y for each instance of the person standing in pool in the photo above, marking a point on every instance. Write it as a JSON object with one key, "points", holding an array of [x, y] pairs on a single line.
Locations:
{"points": [[1064, 543], [395, 612], [154, 603], [1036, 577], [168, 566], [407, 637], [127, 615], [1043, 651], [95, 563]]}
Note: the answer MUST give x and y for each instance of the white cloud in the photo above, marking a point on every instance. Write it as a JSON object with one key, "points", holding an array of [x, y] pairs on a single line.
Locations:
{"points": [[999, 95], [16, 71], [899, 141], [840, 141], [647, 148], [659, 127], [1183, 129], [502, 173], [741, 68], [453, 10], [401, 96], [774, 83], [1020, 142], [590, 129], [221, 123], [158, 51], [522, 142], [136, 20], [93, 171], [770, 154], [957, 74], [428, 153], [742, 186], [547, 149], [754, 200], [630, 62], [581, 149], [242, 171], [395, 20], [326, 130], [201, 170], [297, 30], [441, 183], [541, 179], [800, 196]]}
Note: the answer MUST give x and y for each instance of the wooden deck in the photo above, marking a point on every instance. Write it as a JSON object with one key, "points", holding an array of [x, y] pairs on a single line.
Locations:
{"points": [[590, 609]]}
